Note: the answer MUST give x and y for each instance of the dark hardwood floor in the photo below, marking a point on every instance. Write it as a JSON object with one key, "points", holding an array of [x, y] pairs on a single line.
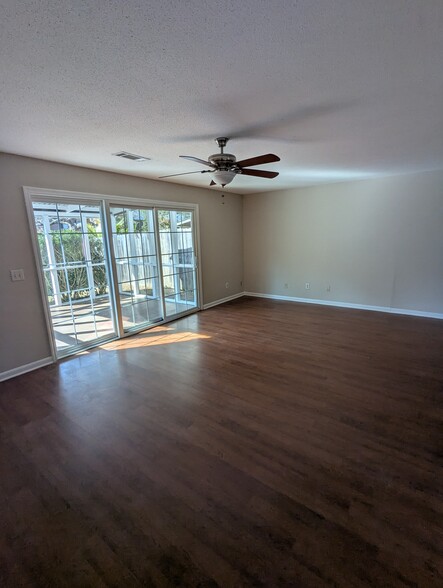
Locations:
{"points": [[257, 443]]}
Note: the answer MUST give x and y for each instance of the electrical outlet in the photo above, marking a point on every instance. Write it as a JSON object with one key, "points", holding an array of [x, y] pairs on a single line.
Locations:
{"points": [[227, 285], [17, 275], [308, 285], [328, 289], [286, 286]]}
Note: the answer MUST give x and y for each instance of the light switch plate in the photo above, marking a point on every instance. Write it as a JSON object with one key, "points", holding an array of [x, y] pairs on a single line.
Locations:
{"points": [[17, 275]]}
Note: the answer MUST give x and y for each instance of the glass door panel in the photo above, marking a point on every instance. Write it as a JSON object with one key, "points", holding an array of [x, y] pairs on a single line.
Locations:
{"points": [[135, 253], [177, 254], [75, 273]]}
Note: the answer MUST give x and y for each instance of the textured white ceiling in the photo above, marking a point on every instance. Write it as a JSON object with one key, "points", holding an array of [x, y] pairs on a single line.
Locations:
{"points": [[337, 88]]}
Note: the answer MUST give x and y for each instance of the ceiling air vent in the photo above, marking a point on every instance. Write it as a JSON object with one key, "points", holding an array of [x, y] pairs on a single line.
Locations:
{"points": [[131, 156]]}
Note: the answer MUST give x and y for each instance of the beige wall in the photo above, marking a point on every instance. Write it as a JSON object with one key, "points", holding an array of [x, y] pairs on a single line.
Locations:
{"points": [[23, 335], [375, 242]]}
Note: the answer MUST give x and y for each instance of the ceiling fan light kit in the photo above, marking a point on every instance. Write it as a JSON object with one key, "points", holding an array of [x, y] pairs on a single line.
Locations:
{"points": [[222, 176], [224, 166]]}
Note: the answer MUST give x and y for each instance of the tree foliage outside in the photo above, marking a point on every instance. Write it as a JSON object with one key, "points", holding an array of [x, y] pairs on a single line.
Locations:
{"points": [[69, 251]]}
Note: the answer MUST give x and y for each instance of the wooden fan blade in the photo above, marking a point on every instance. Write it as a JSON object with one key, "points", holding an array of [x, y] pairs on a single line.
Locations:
{"points": [[204, 171], [202, 161], [260, 173], [259, 160], [212, 183]]}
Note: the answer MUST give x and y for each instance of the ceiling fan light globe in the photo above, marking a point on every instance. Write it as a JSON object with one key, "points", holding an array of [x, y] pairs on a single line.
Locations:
{"points": [[222, 176]]}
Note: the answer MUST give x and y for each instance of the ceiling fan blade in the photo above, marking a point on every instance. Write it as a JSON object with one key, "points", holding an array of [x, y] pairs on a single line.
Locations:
{"points": [[260, 173], [212, 183], [259, 160], [202, 161], [204, 171]]}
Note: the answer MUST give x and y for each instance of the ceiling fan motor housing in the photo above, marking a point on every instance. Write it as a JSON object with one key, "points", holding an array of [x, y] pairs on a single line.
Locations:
{"points": [[222, 160]]}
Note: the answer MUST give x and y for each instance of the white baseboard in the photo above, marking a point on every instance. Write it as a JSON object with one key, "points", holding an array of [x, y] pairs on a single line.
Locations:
{"points": [[388, 309], [223, 300], [23, 369]]}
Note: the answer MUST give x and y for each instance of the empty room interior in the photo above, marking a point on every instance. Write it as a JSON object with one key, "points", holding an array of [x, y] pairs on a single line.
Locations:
{"points": [[221, 293]]}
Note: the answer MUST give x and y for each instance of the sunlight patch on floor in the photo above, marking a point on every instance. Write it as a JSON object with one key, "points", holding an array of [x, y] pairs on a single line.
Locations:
{"points": [[149, 340]]}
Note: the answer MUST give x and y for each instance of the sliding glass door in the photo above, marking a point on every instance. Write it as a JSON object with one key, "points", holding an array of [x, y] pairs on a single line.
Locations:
{"points": [[109, 268], [154, 259], [75, 273], [178, 266], [136, 265]]}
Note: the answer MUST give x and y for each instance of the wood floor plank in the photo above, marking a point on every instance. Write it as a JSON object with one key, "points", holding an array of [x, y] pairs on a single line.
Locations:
{"points": [[259, 443]]}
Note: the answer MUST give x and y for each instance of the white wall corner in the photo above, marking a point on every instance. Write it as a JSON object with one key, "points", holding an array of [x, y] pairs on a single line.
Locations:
{"points": [[223, 300]]}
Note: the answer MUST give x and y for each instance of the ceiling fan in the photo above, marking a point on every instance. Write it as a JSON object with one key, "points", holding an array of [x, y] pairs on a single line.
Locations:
{"points": [[224, 166]]}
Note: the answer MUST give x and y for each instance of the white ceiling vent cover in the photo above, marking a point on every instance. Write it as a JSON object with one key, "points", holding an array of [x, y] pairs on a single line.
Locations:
{"points": [[131, 156]]}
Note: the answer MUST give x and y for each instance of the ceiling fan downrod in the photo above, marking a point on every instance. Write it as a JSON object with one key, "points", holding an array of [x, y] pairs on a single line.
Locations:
{"points": [[221, 142]]}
